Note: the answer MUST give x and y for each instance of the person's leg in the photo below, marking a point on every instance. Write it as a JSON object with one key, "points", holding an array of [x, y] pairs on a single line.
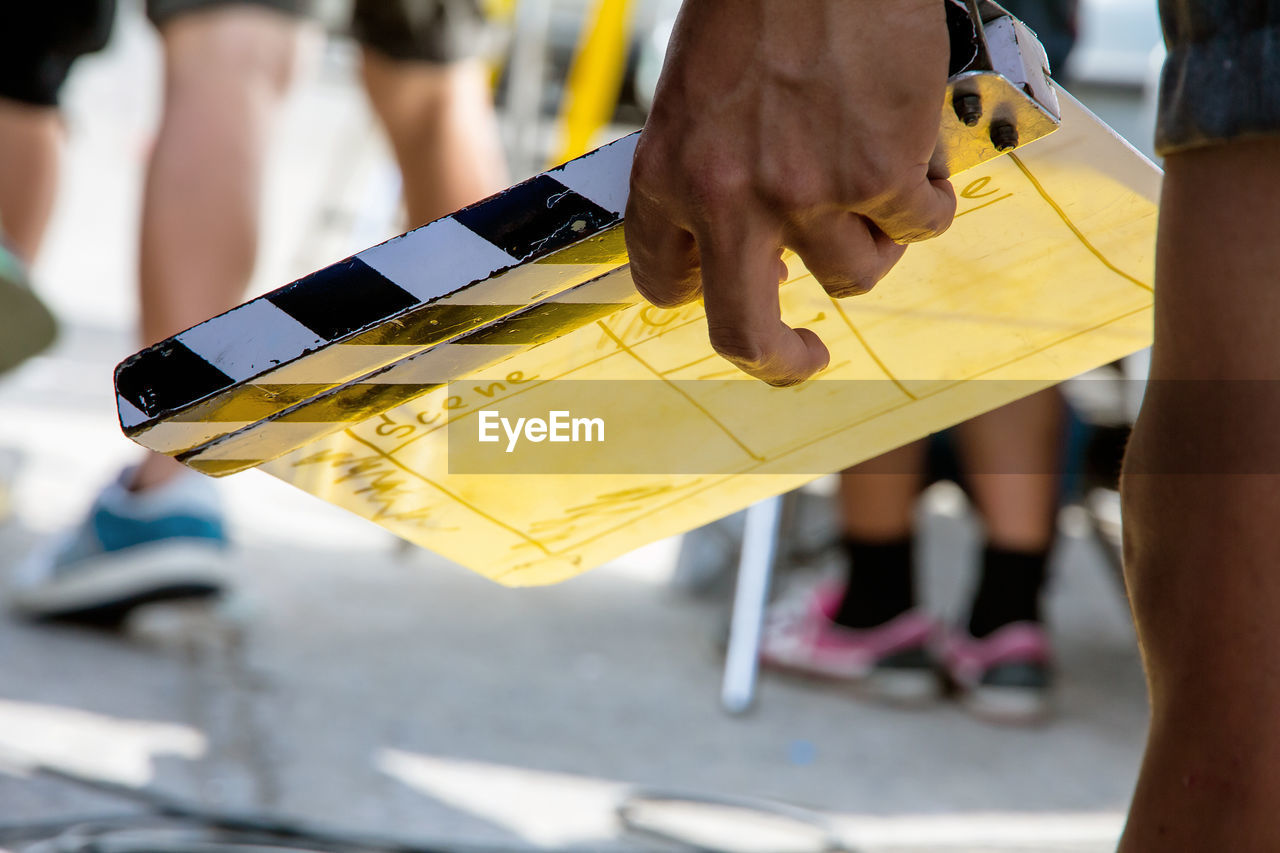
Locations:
{"points": [[30, 147], [1011, 456], [434, 102], [30, 143], [154, 535], [1201, 492], [1000, 659], [867, 630], [39, 42], [878, 496], [877, 499], [226, 70]]}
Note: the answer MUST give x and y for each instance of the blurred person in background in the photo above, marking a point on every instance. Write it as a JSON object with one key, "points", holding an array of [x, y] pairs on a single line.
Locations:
{"points": [[26, 325], [157, 532], [871, 630], [29, 133]]}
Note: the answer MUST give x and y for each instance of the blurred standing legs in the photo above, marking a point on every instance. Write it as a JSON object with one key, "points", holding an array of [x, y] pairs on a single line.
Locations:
{"points": [[157, 532], [38, 43], [440, 121], [30, 137], [872, 630], [1011, 457], [226, 70], [30, 148]]}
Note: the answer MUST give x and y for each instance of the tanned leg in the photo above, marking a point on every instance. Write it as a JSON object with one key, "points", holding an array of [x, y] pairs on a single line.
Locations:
{"points": [[442, 128], [30, 149], [877, 496], [226, 70], [1011, 456]]}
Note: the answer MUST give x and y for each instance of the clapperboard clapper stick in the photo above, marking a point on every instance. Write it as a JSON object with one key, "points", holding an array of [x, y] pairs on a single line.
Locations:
{"points": [[350, 382]]}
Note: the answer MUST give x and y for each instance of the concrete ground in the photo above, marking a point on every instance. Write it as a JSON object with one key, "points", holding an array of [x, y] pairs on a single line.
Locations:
{"points": [[382, 689]]}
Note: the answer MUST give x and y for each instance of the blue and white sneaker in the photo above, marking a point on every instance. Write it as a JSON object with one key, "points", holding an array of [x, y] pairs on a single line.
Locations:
{"points": [[134, 548]]}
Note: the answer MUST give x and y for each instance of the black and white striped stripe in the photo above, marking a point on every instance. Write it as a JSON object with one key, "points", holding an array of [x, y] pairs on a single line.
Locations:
{"points": [[448, 280]]}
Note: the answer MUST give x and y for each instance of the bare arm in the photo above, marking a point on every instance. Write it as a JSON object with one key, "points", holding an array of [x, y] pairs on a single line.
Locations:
{"points": [[1202, 495], [1202, 475]]}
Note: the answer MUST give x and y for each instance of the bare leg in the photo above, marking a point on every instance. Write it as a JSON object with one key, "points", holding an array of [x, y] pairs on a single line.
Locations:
{"points": [[876, 503], [1202, 554], [30, 147], [226, 70], [1010, 457], [877, 496], [442, 128]]}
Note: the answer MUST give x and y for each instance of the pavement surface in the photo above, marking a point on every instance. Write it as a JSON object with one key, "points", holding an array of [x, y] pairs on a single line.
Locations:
{"points": [[381, 689]]}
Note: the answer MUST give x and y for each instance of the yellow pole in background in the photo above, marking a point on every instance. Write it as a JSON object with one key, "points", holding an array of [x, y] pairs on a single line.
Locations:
{"points": [[595, 79], [501, 12]]}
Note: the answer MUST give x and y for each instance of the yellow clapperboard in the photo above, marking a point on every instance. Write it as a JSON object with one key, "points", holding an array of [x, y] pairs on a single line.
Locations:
{"points": [[380, 383]]}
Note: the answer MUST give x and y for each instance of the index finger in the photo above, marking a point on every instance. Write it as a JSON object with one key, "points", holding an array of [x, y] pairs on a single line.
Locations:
{"points": [[744, 317]]}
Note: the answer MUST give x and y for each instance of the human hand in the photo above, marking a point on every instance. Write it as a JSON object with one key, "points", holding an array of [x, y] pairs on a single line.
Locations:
{"points": [[806, 124]]}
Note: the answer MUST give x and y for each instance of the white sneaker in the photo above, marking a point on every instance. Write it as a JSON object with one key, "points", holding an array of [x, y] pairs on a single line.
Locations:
{"points": [[133, 548]]}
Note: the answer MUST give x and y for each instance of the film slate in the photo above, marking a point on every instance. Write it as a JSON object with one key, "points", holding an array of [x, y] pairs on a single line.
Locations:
{"points": [[368, 383]]}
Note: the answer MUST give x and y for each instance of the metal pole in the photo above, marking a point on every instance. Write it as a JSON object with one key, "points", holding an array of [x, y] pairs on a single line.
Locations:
{"points": [[755, 567], [525, 79]]}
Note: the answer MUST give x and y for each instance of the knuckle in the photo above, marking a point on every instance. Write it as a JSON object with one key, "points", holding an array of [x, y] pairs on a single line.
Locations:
{"points": [[646, 171], [882, 176], [875, 184], [791, 187], [944, 218], [667, 294], [664, 299], [932, 224], [792, 195], [739, 347], [927, 226], [849, 275], [714, 191], [715, 186]]}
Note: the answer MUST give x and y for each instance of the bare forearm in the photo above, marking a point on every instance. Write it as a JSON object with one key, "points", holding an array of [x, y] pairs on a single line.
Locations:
{"points": [[1202, 492]]}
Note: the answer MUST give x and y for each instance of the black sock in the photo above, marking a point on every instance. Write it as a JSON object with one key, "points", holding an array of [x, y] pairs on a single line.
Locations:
{"points": [[1009, 590], [881, 583]]}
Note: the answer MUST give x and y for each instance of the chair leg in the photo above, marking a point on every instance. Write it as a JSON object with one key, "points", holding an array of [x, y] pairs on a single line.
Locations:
{"points": [[755, 568]]}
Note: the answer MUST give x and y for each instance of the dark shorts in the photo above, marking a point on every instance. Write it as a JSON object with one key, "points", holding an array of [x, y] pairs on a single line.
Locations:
{"points": [[436, 31], [40, 40]]}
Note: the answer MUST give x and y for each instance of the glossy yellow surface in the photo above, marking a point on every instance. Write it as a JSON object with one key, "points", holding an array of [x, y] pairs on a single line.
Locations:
{"points": [[1046, 273]]}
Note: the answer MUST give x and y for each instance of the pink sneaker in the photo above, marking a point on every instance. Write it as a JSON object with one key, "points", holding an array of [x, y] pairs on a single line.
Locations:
{"points": [[1004, 677], [891, 662]]}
